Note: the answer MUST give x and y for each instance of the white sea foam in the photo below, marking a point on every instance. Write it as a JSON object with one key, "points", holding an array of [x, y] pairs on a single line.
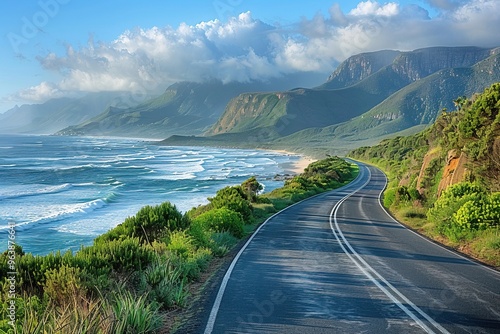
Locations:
{"points": [[86, 184], [86, 166], [32, 190], [177, 176], [50, 213]]}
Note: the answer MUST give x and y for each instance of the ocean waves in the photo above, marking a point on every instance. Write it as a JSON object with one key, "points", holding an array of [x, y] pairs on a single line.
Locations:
{"points": [[31, 190], [63, 191], [41, 213]]}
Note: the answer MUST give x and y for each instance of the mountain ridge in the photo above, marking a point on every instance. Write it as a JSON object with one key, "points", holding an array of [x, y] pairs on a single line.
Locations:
{"points": [[368, 86], [55, 114], [184, 108]]}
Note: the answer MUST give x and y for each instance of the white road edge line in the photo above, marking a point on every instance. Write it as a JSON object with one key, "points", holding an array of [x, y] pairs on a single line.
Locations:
{"points": [[218, 299], [421, 236], [430, 241], [333, 215]]}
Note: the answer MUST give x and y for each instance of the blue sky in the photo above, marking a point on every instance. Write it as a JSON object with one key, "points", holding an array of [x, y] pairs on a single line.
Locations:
{"points": [[53, 48]]}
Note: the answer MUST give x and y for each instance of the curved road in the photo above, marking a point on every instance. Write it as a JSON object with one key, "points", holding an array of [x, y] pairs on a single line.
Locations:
{"points": [[338, 263]]}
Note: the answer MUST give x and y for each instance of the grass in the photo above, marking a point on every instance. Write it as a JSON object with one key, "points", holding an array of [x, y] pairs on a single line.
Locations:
{"points": [[482, 245]]}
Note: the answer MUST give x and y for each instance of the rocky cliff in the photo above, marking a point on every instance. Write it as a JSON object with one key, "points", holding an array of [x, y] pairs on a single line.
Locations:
{"points": [[358, 68], [382, 92], [420, 63]]}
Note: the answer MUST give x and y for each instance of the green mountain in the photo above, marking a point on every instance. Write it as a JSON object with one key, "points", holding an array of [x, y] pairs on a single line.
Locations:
{"points": [[368, 83], [283, 113], [273, 115], [386, 85], [408, 110], [185, 108], [55, 114]]}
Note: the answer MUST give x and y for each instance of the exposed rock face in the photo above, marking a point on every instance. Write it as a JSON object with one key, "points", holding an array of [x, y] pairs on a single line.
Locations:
{"points": [[241, 110], [359, 67], [418, 64], [455, 170], [430, 156], [412, 65]]}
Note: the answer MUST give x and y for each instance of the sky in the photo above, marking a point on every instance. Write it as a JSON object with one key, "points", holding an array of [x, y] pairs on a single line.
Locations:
{"points": [[57, 48]]}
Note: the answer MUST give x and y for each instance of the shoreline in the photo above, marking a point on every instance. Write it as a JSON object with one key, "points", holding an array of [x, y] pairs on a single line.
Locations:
{"points": [[295, 167]]}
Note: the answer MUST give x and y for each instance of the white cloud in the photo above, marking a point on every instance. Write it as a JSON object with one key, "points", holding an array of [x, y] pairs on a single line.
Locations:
{"points": [[369, 7], [372, 26], [245, 49], [147, 58], [39, 93]]}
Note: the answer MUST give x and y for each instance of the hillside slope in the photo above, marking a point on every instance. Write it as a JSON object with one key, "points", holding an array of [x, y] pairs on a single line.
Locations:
{"points": [[368, 82], [446, 180], [55, 114], [409, 109], [184, 108]]}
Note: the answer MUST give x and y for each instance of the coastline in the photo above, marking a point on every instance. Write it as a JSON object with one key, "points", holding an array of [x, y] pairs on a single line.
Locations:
{"points": [[296, 167], [292, 168], [87, 205]]}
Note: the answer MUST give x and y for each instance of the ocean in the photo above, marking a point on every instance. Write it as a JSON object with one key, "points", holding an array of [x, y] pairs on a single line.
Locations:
{"points": [[62, 192]]}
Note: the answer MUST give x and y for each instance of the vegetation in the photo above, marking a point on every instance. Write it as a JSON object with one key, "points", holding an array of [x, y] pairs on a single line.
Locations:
{"points": [[427, 190], [131, 276], [370, 97]]}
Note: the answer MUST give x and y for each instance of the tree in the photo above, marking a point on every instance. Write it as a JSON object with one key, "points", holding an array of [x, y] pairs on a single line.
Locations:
{"points": [[251, 188]]}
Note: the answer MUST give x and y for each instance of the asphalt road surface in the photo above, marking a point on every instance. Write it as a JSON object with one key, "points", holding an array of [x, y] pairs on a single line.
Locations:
{"points": [[338, 263]]}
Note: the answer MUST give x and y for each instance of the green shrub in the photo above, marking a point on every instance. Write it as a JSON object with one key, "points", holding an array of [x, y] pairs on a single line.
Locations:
{"points": [[123, 255], [192, 266], [414, 194], [149, 224], [479, 213], [32, 315], [452, 199], [181, 244], [63, 285], [221, 220], [389, 197], [222, 243], [164, 283], [251, 188], [233, 198], [200, 234]]}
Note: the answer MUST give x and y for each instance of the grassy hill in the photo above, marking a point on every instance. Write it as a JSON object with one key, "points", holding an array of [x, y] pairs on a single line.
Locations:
{"points": [[407, 111], [284, 113], [385, 92], [184, 108], [445, 180]]}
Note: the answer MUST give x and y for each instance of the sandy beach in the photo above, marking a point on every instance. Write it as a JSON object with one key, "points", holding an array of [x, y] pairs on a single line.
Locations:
{"points": [[298, 166]]}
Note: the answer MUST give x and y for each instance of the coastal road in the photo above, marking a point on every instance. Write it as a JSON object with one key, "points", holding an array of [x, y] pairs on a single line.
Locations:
{"points": [[338, 263]]}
